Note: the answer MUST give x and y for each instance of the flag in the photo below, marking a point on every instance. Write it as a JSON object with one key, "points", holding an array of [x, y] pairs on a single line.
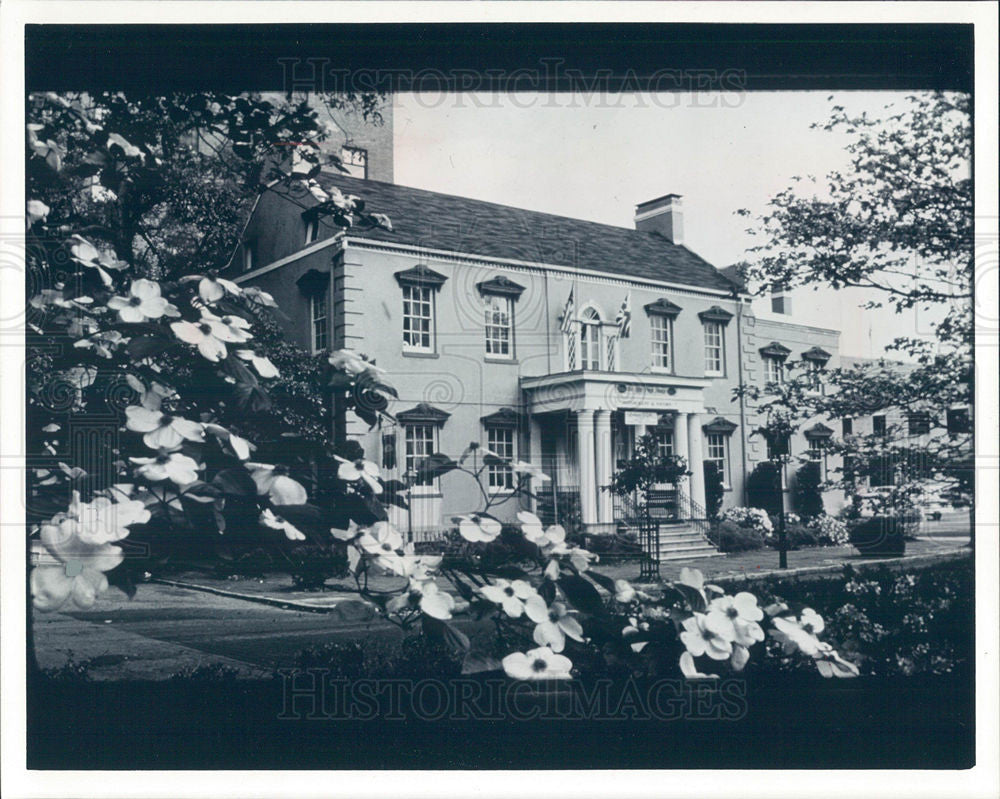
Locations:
{"points": [[568, 311], [624, 318]]}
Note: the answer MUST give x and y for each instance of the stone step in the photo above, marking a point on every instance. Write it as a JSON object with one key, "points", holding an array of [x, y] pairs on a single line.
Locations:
{"points": [[688, 554]]}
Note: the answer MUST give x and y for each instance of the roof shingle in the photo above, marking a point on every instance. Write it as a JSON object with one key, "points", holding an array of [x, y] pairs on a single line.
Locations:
{"points": [[459, 224]]}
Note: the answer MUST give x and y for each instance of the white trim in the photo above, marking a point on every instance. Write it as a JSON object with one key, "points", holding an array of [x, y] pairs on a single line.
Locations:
{"points": [[338, 238], [672, 206]]}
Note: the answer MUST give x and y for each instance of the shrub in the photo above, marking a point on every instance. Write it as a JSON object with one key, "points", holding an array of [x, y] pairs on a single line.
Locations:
{"points": [[730, 537], [800, 535], [831, 531], [750, 518], [808, 497], [879, 535], [762, 488], [714, 489]]}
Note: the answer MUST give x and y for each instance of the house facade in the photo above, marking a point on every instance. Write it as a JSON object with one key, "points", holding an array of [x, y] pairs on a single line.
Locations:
{"points": [[546, 339]]}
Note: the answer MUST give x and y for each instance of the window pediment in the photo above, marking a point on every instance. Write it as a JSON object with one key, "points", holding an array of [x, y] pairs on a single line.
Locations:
{"points": [[716, 314], [720, 425], [313, 282], [423, 414], [505, 417], [775, 350], [663, 307], [816, 354], [500, 286], [422, 276], [817, 431]]}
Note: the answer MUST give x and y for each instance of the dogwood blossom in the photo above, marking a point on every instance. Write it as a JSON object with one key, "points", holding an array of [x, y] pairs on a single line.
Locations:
{"points": [[740, 617], [478, 528], [514, 597], [435, 602], [382, 541], [261, 363], [94, 523], [532, 471], [68, 568], [352, 471], [349, 361], [143, 303], [552, 627], [272, 482], [537, 664], [269, 519], [212, 288], [173, 466], [704, 634], [203, 336], [690, 671], [162, 430]]}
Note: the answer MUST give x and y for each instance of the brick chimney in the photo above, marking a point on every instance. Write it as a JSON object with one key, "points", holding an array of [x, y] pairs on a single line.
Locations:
{"points": [[664, 215]]}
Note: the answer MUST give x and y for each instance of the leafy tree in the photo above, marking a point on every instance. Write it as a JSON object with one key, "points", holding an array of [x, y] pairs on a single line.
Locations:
{"points": [[808, 497], [714, 488], [762, 488], [645, 469], [899, 224]]}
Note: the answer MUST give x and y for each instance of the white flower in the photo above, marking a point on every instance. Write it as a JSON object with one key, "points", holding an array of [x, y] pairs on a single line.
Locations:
{"points": [[702, 636], [580, 558], [172, 466], [352, 471], [278, 487], [36, 211], [95, 523], [533, 530], [162, 431], [211, 288], [831, 664], [435, 602], [811, 621], [382, 542], [419, 567], [104, 343], [514, 597], [239, 445], [522, 467], [261, 363], [231, 329], [793, 637], [202, 335], [349, 361], [740, 614], [537, 664], [553, 625], [85, 253], [69, 568], [624, 592], [144, 302], [258, 296], [478, 528], [690, 671], [269, 519]]}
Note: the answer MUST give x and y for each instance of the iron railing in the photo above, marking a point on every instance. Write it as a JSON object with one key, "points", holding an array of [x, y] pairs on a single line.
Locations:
{"points": [[649, 540]]}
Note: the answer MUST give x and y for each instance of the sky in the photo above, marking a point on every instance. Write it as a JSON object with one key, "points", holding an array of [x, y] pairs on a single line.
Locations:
{"points": [[596, 158]]}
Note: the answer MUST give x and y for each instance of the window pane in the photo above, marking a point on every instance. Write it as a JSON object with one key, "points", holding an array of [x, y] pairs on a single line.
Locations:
{"points": [[713, 348], [320, 325], [419, 444], [501, 441], [499, 325], [661, 329], [418, 317]]}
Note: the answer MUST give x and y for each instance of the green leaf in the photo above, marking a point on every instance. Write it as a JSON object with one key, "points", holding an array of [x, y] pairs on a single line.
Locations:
{"points": [[474, 663], [582, 594], [605, 582], [146, 346], [235, 481]]}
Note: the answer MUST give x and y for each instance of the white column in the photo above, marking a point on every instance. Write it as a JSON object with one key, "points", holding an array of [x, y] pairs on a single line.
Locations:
{"points": [[535, 457], [585, 466], [681, 449], [697, 459], [602, 433]]}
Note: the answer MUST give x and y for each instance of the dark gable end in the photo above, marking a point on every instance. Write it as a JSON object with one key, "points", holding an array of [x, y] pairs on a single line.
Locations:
{"points": [[458, 224]]}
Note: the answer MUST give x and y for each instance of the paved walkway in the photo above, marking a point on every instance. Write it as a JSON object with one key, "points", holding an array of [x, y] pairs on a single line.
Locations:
{"points": [[253, 626]]}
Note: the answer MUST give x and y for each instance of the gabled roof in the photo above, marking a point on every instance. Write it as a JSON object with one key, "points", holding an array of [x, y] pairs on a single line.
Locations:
{"points": [[459, 224]]}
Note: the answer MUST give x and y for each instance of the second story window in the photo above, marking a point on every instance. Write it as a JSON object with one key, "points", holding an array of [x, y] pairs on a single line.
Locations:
{"points": [[878, 425], [501, 441], [847, 426], [714, 356], [774, 370], [418, 318], [590, 340], [319, 316], [661, 328], [499, 326]]}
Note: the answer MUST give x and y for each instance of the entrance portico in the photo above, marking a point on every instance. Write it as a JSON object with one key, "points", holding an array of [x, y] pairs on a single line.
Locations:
{"points": [[589, 399]]}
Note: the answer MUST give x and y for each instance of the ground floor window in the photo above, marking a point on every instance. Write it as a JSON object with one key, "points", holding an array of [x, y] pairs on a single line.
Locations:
{"points": [[718, 453], [817, 454], [420, 443], [501, 441]]}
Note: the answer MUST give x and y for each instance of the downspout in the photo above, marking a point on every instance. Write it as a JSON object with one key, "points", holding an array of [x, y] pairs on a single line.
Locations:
{"points": [[739, 367]]}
